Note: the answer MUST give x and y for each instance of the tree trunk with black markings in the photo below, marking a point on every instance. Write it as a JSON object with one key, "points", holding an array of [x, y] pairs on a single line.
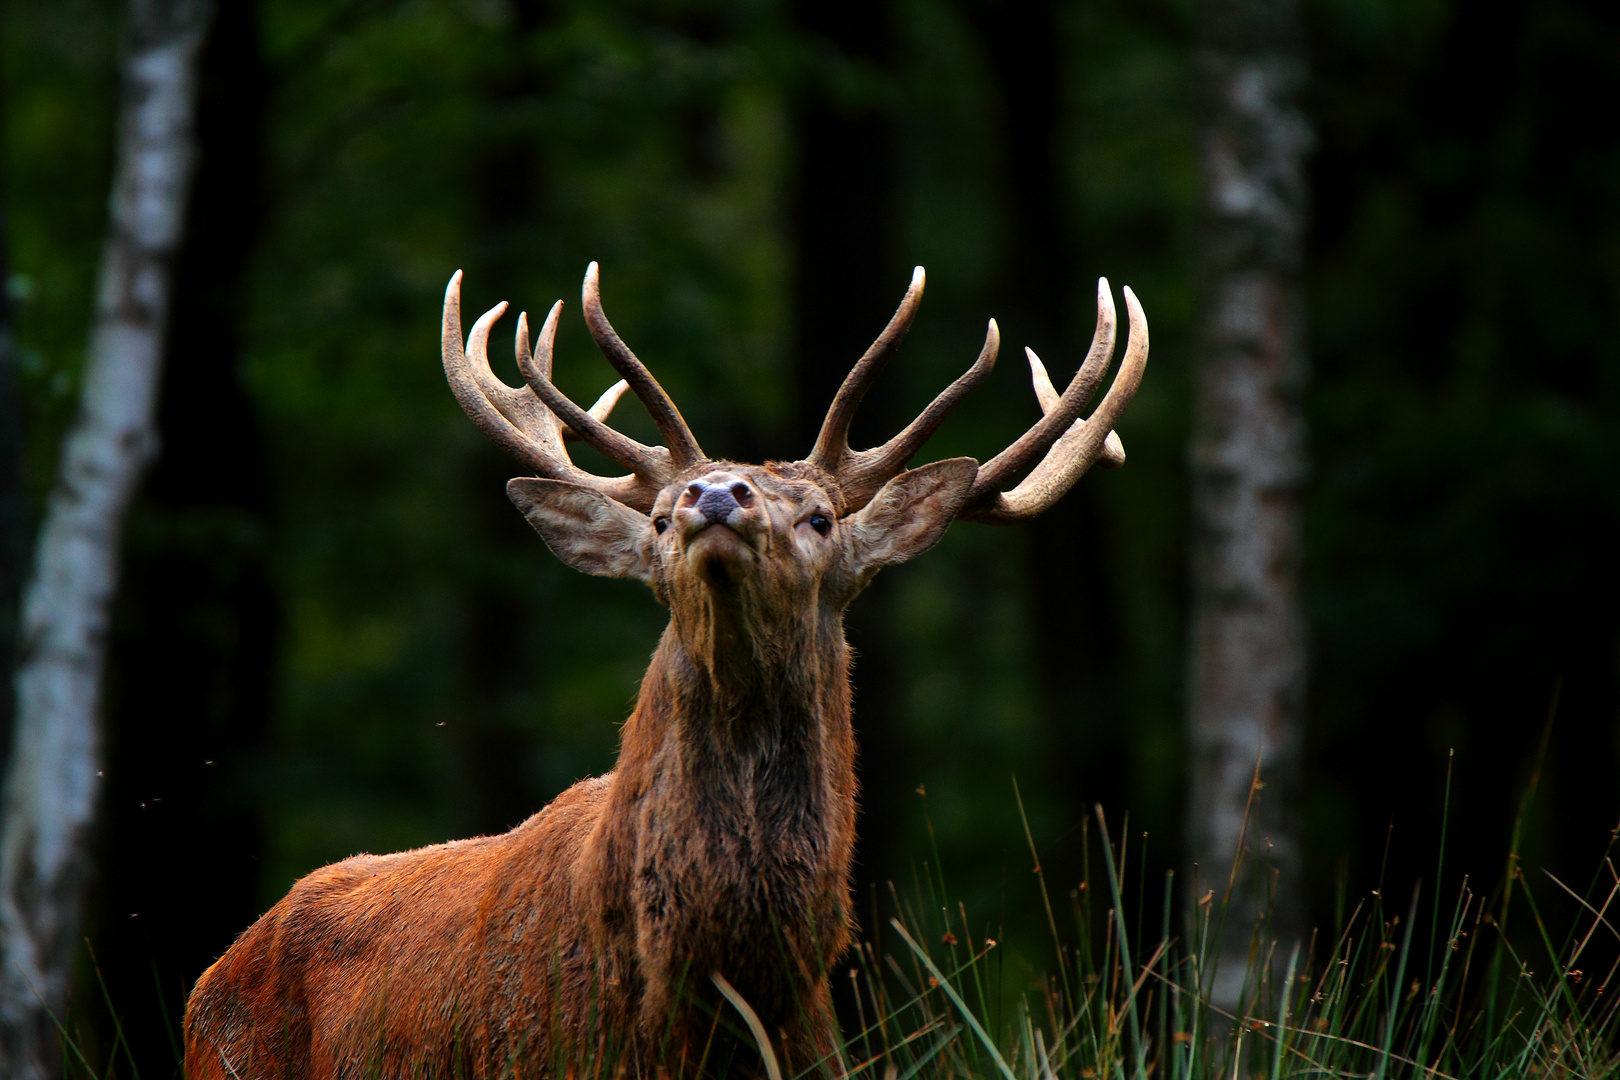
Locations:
{"points": [[192, 655], [1247, 680], [52, 784]]}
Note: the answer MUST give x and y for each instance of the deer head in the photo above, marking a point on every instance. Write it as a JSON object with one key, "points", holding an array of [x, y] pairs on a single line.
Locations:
{"points": [[735, 549]]}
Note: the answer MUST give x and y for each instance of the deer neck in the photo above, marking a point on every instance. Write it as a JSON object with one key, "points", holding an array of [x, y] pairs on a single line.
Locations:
{"points": [[745, 663], [735, 791], [748, 722], [745, 683]]}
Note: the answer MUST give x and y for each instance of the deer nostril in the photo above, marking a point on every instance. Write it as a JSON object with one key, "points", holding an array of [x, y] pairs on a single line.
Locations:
{"points": [[716, 503], [695, 490], [742, 493]]}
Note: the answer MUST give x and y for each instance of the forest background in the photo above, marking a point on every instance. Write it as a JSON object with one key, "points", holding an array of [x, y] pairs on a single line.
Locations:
{"points": [[335, 635]]}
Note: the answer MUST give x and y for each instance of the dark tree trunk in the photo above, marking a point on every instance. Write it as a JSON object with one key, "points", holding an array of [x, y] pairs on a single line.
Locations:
{"points": [[52, 784], [194, 641], [1247, 684], [500, 645], [846, 284], [499, 629], [1074, 611]]}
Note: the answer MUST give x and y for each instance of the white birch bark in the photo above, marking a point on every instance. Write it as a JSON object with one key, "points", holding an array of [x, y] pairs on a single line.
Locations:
{"points": [[52, 776], [1247, 681]]}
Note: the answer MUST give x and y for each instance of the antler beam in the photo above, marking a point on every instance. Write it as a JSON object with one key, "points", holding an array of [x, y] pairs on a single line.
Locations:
{"points": [[683, 448], [832, 451]]}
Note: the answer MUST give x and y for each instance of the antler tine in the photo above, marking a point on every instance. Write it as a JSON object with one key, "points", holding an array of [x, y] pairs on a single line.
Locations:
{"points": [[651, 463], [683, 446], [866, 471], [1082, 445], [832, 451], [602, 409], [1112, 455], [513, 416], [1039, 439], [472, 385]]}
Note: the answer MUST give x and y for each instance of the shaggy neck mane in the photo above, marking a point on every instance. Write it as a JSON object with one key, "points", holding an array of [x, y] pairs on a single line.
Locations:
{"points": [[740, 682], [746, 725]]}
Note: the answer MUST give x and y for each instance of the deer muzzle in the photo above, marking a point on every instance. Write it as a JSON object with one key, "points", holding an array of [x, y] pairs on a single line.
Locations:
{"points": [[719, 498], [718, 502]]}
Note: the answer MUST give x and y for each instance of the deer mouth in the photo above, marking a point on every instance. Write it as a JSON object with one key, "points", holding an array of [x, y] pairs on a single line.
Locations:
{"points": [[718, 552], [721, 537]]}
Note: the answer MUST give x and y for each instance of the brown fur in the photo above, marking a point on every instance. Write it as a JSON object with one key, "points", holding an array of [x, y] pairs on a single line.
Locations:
{"points": [[720, 843]]}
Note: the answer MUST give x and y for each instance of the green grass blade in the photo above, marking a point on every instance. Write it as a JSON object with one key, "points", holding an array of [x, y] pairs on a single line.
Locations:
{"points": [[956, 999]]}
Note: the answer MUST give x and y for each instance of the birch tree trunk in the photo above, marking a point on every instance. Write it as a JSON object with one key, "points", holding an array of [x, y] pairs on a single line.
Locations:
{"points": [[51, 782], [1247, 685]]}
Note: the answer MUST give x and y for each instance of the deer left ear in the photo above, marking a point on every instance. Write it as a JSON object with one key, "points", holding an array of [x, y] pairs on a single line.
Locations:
{"points": [[585, 529], [910, 513]]}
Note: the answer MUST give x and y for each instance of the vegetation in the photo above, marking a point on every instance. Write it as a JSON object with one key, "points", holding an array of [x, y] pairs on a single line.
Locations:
{"points": [[1430, 988], [1479, 984]]}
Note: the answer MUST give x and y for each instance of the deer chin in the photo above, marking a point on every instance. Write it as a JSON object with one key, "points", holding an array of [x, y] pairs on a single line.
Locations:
{"points": [[720, 555]]}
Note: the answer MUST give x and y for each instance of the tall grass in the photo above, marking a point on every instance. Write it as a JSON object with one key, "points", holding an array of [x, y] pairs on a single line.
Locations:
{"points": [[1471, 984], [1465, 985]]}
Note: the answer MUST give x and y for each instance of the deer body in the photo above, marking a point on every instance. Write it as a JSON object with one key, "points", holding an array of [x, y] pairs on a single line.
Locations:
{"points": [[584, 941], [676, 845]]}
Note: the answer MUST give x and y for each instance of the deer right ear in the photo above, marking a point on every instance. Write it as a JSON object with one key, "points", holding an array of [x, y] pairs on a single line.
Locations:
{"points": [[585, 529], [911, 512]]}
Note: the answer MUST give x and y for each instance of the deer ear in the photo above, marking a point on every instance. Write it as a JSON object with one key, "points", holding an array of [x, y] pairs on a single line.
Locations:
{"points": [[911, 512], [586, 529]]}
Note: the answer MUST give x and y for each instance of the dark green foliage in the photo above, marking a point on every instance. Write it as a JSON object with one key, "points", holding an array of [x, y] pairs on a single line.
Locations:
{"points": [[1465, 421]]}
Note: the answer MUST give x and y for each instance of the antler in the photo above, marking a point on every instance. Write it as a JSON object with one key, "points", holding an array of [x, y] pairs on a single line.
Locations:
{"points": [[531, 422], [683, 448], [861, 473], [1066, 445], [1070, 445]]}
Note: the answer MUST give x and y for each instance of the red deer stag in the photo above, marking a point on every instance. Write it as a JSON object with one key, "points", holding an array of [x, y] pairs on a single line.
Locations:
{"points": [[719, 846]]}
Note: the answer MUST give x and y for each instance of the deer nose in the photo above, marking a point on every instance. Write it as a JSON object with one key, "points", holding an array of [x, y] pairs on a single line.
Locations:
{"points": [[716, 501]]}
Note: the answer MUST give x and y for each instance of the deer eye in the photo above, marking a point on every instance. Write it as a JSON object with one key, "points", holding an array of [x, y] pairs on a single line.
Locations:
{"points": [[660, 523], [821, 523]]}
